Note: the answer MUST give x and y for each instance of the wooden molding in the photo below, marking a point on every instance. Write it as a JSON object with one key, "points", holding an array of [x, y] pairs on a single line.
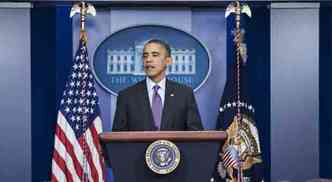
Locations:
{"points": [[148, 136]]}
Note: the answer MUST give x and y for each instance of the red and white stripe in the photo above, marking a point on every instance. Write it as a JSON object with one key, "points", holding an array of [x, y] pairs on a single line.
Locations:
{"points": [[68, 155]]}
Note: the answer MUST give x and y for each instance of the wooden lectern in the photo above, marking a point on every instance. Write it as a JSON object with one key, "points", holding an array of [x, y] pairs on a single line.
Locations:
{"points": [[125, 153]]}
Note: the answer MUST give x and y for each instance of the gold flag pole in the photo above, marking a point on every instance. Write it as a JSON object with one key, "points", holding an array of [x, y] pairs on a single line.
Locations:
{"points": [[237, 9], [83, 9]]}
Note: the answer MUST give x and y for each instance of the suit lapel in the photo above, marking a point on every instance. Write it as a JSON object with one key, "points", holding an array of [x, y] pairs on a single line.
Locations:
{"points": [[147, 112], [168, 102]]}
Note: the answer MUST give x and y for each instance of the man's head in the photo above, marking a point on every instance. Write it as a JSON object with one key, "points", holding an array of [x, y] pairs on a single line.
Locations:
{"points": [[156, 57]]}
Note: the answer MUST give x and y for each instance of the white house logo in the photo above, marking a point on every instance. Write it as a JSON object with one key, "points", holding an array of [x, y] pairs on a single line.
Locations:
{"points": [[118, 60]]}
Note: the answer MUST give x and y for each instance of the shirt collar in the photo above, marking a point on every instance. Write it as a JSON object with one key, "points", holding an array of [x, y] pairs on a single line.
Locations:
{"points": [[150, 84]]}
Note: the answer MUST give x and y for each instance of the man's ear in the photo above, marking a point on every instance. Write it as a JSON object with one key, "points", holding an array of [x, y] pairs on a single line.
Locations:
{"points": [[169, 60]]}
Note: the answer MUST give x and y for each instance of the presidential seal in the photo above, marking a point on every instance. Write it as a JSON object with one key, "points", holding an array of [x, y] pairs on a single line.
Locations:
{"points": [[162, 156]]}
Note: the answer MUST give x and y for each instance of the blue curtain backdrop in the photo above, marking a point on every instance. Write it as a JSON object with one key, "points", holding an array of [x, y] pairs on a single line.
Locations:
{"points": [[51, 56], [43, 90], [325, 90], [258, 42]]}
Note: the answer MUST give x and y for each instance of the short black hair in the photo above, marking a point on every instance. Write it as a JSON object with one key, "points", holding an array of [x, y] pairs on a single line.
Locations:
{"points": [[162, 43]]}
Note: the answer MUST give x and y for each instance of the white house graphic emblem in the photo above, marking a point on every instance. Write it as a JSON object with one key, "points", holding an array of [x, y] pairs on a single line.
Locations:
{"points": [[118, 64]]}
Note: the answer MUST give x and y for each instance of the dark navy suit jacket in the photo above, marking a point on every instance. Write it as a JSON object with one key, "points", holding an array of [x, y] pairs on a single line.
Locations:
{"points": [[180, 112]]}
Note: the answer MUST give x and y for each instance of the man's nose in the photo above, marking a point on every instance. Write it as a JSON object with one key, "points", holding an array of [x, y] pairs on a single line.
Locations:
{"points": [[148, 59]]}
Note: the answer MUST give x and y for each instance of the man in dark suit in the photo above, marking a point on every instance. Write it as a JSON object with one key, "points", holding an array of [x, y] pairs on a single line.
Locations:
{"points": [[156, 103]]}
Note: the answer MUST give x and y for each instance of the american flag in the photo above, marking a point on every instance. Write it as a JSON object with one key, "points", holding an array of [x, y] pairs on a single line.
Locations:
{"points": [[77, 153], [231, 158]]}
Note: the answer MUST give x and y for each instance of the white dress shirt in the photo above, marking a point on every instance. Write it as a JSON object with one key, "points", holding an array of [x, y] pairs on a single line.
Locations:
{"points": [[161, 91]]}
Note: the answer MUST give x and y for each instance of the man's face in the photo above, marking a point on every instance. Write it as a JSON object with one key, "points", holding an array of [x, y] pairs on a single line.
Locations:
{"points": [[155, 60]]}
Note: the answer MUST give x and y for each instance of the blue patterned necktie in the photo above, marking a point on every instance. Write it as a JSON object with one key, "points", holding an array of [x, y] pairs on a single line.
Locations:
{"points": [[156, 106]]}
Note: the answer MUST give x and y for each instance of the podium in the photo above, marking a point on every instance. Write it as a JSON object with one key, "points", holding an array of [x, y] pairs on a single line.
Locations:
{"points": [[125, 153]]}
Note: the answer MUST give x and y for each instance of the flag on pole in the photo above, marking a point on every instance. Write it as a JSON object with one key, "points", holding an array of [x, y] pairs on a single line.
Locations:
{"points": [[240, 156], [77, 154]]}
